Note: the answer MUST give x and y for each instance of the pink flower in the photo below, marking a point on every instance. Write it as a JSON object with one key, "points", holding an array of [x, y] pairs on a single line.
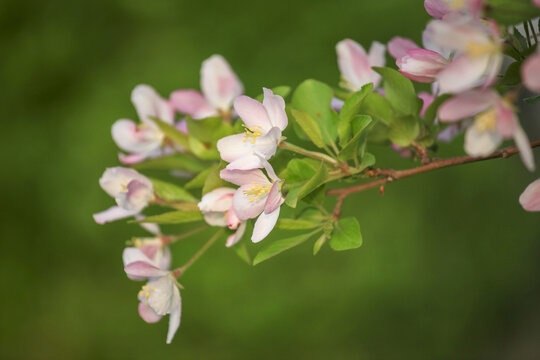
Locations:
{"points": [[494, 120], [439, 8], [530, 198], [398, 46], [263, 123], [421, 65], [478, 52], [220, 86], [160, 296], [142, 140], [131, 190], [536, 3], [217, 208], [530, 72], [256, 197], [355, 65]]}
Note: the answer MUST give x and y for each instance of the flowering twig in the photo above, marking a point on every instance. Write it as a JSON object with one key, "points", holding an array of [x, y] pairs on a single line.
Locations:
{"points": [[170, 239], [312, 154], [391, 175], [183, 268]]}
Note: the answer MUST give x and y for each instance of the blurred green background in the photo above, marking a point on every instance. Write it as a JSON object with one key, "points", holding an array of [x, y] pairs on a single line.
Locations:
{"points": [[450, 264]]}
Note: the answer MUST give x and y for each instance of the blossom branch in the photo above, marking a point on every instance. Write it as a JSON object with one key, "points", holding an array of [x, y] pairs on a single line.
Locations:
{"points": [[312, 154], [178, 272]]}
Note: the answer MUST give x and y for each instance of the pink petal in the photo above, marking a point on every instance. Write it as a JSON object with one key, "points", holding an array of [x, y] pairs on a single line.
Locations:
{"points": [[142, 269], [147, 314], [234, 147], [530, 72], [398, 46], [232, 219], [530, 198], [507, 121], [421, 65], [274, 199], [131, 159], [193, 103], [247, 206], [525, 151], [137, 197], [247, 162], [536, 3], [275, 108], [466, 105], [115, 180], [244, 177], [252, 113], [235, 238], [353, 63], [112, 214], [130, 138], [264, 225], [427, 100], [148, 104], [436, 8], [377, 55], [463, 73], [219, 200], [219, 83]]}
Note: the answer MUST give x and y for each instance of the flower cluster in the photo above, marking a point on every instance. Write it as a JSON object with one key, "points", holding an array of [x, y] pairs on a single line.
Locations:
{"points": [[230, 165]]}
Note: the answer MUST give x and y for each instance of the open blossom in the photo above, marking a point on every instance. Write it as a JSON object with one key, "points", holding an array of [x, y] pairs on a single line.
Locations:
{"points": [[494, 120], [530, 72], [530, 198], [264, 124], [160, 296], [355, 65], [478, 51], [143, 140], [439, 8], [219, 85], [256, 197], [131, 190], [217, 208]]}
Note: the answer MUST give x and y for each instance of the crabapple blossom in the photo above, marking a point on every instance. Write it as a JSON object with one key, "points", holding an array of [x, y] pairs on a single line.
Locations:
{"points": [[421, 65], [439, 8], [355, 65], [263, 123], [131, 190], [160, 296], [494, 120], [219, 85], [143, 140], [217, 208], [256, 197], [530, 198]]}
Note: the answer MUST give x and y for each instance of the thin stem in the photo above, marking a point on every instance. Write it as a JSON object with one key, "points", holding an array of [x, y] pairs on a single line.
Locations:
{"points": [[391, 175], [526, 26], [312, 154], [178, 272], [174, 238]]}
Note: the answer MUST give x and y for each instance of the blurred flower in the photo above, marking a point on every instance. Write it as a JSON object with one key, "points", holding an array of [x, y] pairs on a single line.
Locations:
{"points": [[217, 208], [494, 120], [536, 3], [421, 65], [131, 190], [256, 197], [530, 72], [263, 126], [355, 65], [142, 140], [530, 198], [439, 8], [478, 52], [160, 296], [219, 85]]}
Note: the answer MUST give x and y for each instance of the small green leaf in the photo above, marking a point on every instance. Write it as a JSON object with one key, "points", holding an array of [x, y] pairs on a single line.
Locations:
{"points": [[209, 130], [318, 244], [172, 133], [171, 192], [292, 196], [320, 177], [348, 111], [198, 181], [377, 107], [206, 151], [350, 149], [309, 126], [346, 235], [399, 91], [242, 252], [299, 170], [213, 180], [279, 246], [403, 130], [171, 162], [532, 99], [172, 217], [296, 224], [367, 160], [431, 112]]}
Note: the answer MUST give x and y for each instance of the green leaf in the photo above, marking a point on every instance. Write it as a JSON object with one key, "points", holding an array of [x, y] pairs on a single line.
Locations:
{"points": [[172, 133], [279, 246], [242, 252], [431, 112], [282, 91], [296, 224], [512, 76], [399, 91], [299, 170], [292, 196], [350, 149], [314, 97], [173, 217], [199, 180], [348, 111], [377, 107], [403, 130], [171, 192], [171, 162], [206, 151], [532, 99], [367, 160], [320, 177], [510, 12], [346, 235], [319, 243], [309, 126], [214, 181], [209, 130]]}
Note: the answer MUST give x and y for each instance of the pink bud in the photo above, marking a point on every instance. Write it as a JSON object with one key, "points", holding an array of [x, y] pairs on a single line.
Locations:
{"points": [[421, 65]]}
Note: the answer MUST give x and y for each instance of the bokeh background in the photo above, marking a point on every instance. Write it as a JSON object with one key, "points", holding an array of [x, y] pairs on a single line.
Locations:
{"points": [[450, 264]]}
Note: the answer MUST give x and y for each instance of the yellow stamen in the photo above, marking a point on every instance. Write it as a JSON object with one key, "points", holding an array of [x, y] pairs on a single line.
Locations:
{"points": [[475, 50], [257, 191], [455, 4], [252, 133], [486, 121]]}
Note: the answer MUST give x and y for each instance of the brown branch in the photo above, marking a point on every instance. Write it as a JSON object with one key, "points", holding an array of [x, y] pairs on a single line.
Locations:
{"points": [[391, 175]]}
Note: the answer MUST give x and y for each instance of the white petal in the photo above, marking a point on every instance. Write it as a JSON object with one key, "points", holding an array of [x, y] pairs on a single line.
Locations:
{"points": [[479, 143], [235, 238], [525, 151], [116, 179], [248, 206], [244, 177], [264, 225], [174, 317], [463, 73], [219, 83], [219, 199], [130, 138], [214, 218], [148, 104], [275, 108], [162, 298], [112, 214]]}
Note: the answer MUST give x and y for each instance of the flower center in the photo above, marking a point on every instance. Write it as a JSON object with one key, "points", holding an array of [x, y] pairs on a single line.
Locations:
{"points": [[252, 133], [146, 291], [476, 50], [455, 4], [486, 121], [257, 191]]}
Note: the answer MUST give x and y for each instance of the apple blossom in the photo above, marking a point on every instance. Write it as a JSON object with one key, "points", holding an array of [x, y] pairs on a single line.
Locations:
{"points": [[530, 198], [256, 197], [530, 72], [421, 65], [217, 208], [263, 125], [494, 120], [131, 190], [219, 85], [439, 8], [355, 65], [160, 296], [143, 140]]}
